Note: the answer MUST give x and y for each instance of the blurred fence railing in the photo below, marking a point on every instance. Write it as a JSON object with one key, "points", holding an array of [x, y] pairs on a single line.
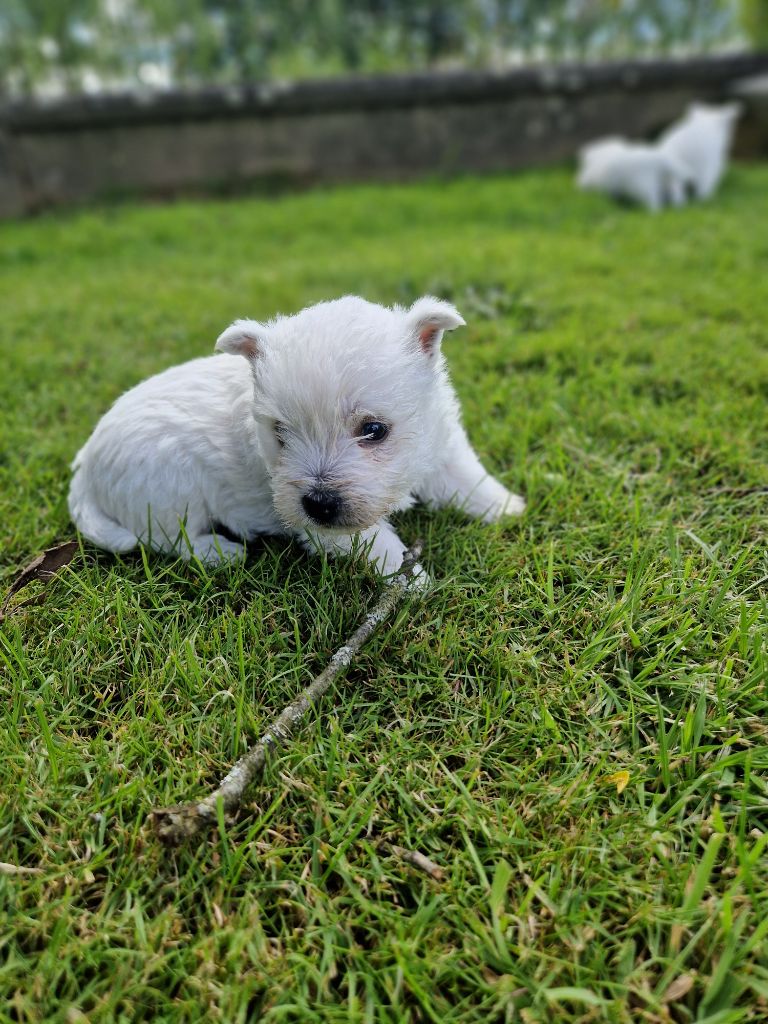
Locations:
{"points": [[375, 127]]}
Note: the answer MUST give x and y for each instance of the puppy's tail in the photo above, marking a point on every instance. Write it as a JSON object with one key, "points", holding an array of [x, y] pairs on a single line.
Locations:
{"points": [[94, 524]]}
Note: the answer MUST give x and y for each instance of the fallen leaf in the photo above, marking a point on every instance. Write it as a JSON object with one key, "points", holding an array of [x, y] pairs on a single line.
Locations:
{"points": [[680, 987], [41, 568]]}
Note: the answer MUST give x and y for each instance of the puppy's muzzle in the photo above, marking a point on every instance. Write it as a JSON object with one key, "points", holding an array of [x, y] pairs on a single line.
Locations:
{"points": [[322, 507]]}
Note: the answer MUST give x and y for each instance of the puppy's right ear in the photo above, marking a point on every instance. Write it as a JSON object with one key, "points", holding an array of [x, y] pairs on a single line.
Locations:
{"points": [[243, 338]]}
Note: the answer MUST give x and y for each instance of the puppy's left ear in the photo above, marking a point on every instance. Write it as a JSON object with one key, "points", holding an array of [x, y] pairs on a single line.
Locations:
{"points": [[242, 338], [428, 318]]}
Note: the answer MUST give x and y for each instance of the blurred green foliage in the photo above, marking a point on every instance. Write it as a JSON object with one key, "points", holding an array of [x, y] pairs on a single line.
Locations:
{"points": [[754, 18], [74, 45]]}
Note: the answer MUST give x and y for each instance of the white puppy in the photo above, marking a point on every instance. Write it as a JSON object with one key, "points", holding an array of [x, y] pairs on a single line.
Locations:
{"points": [[318, 425], [634, 171], [701, 141]]}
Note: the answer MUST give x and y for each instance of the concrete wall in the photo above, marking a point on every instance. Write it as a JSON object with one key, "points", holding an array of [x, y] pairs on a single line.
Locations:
{"points": [[378, 127]]}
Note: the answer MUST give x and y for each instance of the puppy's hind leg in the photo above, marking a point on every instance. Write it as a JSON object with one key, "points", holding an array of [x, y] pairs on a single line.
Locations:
{"points": [[676, 179], [460, 480], [95, 525], [211, 549]]}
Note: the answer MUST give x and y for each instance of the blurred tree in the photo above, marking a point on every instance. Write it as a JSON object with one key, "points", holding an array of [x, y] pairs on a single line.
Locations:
{"points": [[71, 44], [39, 38], [754, 18]]}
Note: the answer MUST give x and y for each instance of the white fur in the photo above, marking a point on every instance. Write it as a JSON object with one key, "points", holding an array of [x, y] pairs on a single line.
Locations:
{"points": [[634, 171], [197, 445], [701, 141]]}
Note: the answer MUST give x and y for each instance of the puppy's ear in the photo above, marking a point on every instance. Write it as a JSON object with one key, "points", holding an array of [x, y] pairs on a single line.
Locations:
{"points": [[428, 318], [243, 338]]}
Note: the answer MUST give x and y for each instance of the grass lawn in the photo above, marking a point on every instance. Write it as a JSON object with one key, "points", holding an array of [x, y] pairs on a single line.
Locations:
{"points": [[614, 370]]}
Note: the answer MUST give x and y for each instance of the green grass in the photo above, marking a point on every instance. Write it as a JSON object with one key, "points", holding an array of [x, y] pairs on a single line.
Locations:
{"points": [[615, 370]]}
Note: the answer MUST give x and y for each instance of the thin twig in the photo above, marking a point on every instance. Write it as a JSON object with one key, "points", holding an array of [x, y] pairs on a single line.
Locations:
{"points": [[420, 861], [175, 824]]}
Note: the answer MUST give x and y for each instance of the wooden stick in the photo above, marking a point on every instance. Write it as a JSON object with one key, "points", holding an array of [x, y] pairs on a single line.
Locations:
{"points": [[420, 861], [173, 825]]}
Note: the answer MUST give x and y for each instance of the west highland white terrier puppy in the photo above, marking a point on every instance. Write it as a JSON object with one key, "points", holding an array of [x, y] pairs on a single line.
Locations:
{"points": [[701, 141], [317, 425], [634, 171]]}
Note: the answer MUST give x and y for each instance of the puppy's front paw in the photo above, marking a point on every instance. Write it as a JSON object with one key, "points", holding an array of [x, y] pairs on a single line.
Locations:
{"points": [[417, 580], [420, 579], [490, 500], [510, 505]]}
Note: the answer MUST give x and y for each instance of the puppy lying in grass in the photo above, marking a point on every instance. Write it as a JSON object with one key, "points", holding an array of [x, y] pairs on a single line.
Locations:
{"points": [[318, 425]]}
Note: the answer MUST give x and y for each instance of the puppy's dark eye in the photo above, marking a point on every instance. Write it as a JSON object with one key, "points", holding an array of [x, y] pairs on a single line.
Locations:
{"points": [[372, 431], [279, 429]]}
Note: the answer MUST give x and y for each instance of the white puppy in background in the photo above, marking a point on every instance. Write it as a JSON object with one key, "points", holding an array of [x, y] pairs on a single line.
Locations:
{"points": [[701, 141], [633, 171], [317, 425]]}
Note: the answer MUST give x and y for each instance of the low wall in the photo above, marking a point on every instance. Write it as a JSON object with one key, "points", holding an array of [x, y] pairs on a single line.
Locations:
{"points": [[377, 127]]}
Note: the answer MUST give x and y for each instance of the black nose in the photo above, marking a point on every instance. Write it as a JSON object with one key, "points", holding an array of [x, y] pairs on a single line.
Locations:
{"points": [[322, 506]]}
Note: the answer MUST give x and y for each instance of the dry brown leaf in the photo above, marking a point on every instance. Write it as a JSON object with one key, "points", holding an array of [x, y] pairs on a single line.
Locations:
{"points": [[41, 568]]}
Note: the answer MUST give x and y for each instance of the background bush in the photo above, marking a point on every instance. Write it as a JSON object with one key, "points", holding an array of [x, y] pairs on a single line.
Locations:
{"points": [[74, 45]]}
